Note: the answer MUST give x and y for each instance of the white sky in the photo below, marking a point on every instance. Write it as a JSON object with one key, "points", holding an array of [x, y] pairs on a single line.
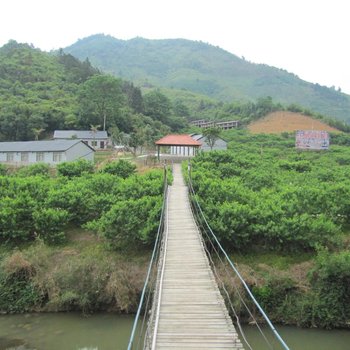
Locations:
{"points": [[309, 38]]}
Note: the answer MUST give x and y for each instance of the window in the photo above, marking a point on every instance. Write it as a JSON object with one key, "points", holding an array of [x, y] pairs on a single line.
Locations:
{"points": [[93, 143], [9, 157], [39, 156], [57, 156], [24, 156]]}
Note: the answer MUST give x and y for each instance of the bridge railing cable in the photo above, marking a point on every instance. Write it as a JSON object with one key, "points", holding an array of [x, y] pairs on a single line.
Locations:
{"points": [[142, 327], [214, 249]]}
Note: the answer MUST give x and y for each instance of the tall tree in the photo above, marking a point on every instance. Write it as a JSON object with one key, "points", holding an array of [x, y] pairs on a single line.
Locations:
{"points": [[100, 98], [212, 135], [157, 106], [134, 96], [37, 132]]}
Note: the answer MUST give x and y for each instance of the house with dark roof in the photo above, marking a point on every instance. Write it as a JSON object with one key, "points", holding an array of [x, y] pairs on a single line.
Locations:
{"points": [[51, 152], [220, 144], [96, 139]]}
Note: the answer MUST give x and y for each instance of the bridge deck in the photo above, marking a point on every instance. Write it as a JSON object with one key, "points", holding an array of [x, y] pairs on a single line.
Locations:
{"points": [[192, 313]]}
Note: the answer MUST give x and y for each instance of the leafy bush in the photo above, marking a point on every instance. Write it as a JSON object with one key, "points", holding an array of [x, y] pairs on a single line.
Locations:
{"points": [[77, 168], [50, 223], [42, 169], [17, 292], [130, 221], [3, 170], [331, 282], [272, 294], [122, 168], [301, 166], [16, 220], [281, 199]]}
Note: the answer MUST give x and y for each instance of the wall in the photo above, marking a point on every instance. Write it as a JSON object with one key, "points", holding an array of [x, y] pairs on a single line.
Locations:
{"points": [[89, 142], [182, 151], [219, 145], [80, 151], [48, 158]]}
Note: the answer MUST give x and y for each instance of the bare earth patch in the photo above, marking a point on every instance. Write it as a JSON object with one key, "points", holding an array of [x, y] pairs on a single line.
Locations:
{"points": [[284, 121]]}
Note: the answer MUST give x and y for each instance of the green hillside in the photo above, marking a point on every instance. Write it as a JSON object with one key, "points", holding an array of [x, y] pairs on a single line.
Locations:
{"points": [[207, 70], [41, 92]]}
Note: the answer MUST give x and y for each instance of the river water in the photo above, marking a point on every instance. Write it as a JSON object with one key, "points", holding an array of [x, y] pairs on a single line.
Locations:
{"points": [[111, 332]]}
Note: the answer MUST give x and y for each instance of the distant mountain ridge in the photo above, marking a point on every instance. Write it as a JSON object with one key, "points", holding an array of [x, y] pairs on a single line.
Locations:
{"points": [[205, 69]]}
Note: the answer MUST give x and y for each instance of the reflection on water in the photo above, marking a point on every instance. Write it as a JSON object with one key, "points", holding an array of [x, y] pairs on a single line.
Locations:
{"points": [[65, 331], [6, 343], [300, 339], [111, 332]]}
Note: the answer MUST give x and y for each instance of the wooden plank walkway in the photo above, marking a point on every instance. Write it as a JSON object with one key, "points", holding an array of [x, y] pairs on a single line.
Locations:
{"points": [[192, 312]]}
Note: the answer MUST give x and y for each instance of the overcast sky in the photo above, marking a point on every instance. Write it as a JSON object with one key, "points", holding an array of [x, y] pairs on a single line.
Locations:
{"points": [[309, 38]]}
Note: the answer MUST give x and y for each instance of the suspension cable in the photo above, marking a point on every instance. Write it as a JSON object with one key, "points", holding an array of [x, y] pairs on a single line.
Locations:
{"points": [[234, 267], [195, 212], [156, 323], [150, 266]]}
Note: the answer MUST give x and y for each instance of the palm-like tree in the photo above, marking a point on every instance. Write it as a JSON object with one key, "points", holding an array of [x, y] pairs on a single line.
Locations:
{"points": [[37, 133], [93, 130]]}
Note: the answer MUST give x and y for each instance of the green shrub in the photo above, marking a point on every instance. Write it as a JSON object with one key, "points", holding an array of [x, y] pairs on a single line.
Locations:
{"points": [[16, 220], [50, 223], [122, 168], [299, 166], [17, 292], [129, 222], [3, 170], [331, 284], [42, 169], [77, 168]]}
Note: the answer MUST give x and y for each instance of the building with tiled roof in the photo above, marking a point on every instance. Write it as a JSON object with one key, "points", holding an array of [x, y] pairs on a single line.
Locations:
{"points": [[179, 145]]}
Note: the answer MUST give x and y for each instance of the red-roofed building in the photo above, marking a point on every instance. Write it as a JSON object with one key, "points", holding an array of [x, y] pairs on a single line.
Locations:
{"points": [[180, 145]]}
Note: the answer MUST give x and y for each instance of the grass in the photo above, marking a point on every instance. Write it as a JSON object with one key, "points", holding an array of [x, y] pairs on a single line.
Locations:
{"points": [[101, 156], [82, 275], [272, 259]]}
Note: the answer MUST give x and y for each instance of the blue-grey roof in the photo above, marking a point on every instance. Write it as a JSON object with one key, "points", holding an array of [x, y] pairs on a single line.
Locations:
{"points": [[79, 134], [196, 136], [199, 137], [38, 146]]}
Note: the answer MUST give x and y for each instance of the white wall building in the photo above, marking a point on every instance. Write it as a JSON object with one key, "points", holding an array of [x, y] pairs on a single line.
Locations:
{"points": [[96, 139], [51, 152]]}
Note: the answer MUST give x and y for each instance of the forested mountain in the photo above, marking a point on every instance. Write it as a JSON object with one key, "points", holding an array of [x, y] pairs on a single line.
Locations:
{"points": [[205, 69], [41, 92]]}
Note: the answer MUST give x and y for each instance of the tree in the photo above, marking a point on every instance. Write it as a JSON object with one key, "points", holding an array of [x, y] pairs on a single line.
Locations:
{"points": [[122, 168], [211, 134], [180, 109], [157, 106], [100, 97], [37, 132], [94, 129], [76, 168], [135, 141], [134, 96]]}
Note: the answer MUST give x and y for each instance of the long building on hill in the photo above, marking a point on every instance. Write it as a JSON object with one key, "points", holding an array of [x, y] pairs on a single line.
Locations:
{"points": [[51, 152], [96, 139], [232, 124]]}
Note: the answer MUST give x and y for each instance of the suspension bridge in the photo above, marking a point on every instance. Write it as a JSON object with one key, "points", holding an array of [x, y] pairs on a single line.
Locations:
{"points": [[181, 302]]}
